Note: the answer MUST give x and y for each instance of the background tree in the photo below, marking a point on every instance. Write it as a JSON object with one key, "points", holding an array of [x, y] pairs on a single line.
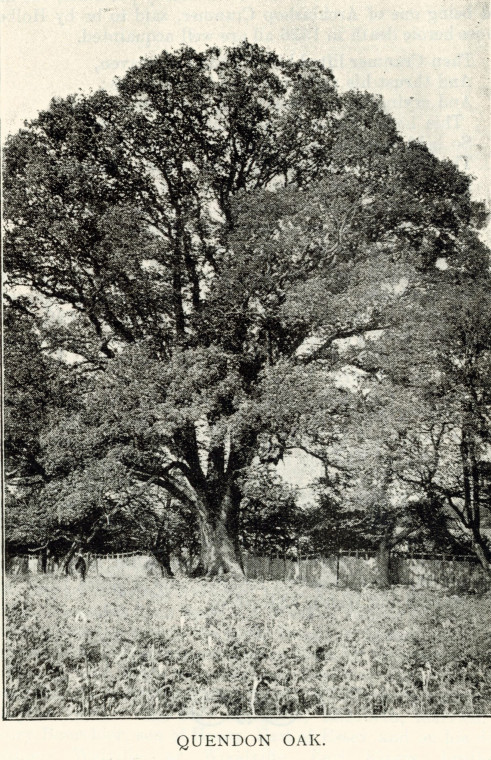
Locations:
{"points": [[452, 462], [427, 408], [28, 394], [271, 521], [34, 387]]}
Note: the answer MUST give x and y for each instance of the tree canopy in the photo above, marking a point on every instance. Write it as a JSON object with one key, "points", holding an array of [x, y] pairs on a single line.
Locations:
{"points": [[210, 249]]}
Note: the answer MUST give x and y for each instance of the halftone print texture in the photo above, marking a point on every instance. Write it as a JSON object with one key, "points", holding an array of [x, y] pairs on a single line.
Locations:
{"points": [[247, 363]]}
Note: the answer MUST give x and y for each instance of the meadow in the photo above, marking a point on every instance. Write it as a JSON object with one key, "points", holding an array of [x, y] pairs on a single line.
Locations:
{"points": [[155, 647]]}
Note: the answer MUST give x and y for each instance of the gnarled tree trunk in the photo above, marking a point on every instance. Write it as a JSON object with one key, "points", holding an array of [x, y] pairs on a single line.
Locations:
{"points": [[218, 524]]}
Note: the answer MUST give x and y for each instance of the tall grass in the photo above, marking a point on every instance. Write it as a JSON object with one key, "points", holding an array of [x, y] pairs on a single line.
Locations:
{"points": [[189, 648]]}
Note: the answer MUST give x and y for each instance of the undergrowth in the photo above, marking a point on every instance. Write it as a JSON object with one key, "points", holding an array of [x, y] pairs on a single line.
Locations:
{"points": [[190, 648]]}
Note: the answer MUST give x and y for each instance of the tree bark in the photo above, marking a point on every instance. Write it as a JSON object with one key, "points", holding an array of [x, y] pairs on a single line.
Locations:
{"points": [[383, 563], [482, 553], [220, 552], [163, 558], [472, 494], [74, 548]]}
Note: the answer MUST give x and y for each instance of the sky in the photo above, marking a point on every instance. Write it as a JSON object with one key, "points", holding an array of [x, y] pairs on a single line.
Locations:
{"points": [[429, 59]]}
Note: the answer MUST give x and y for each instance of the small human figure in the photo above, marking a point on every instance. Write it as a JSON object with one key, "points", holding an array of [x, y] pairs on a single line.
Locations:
{"points": [[81, 566]]}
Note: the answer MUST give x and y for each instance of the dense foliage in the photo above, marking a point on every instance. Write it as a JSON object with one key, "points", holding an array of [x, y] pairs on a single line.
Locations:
{"points": [[124, 648], [193, 265]]}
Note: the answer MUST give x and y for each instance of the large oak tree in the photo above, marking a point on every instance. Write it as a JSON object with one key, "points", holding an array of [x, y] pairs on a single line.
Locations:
{"points": [[212, 232]]}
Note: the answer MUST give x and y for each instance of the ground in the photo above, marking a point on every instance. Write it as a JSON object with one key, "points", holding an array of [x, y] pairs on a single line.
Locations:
{"points": [[188, 647]]}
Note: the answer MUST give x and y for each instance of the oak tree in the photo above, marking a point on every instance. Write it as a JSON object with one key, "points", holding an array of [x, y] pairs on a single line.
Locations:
{"points": [[212, 231]]}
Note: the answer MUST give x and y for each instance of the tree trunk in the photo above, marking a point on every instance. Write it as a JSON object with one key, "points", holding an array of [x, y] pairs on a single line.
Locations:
{"points": [[472, 494], [160, 549], [383, 563], [74, 548], [220, 553], [482, 553], [163, 558]]}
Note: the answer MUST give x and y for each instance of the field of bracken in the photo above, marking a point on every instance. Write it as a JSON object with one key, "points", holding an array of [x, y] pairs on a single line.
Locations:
{"points": [[191, 648]]}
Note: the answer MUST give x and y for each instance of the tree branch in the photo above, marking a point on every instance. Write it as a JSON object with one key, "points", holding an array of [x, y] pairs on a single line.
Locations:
{"points": [[347, 332]]}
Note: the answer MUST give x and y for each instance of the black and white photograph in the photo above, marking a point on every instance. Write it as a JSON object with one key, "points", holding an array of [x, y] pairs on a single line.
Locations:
{"points": [[246, 365]]}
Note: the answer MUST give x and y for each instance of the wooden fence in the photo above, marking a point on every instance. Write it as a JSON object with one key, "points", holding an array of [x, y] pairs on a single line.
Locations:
{"points": [[346, 569], [357, 570], [120, 565]]}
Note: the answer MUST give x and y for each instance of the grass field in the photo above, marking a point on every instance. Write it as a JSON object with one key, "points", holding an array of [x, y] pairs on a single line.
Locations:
{"points": [[156, 648]]}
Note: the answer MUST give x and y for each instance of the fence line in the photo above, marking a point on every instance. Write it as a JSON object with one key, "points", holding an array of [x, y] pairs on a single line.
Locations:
{"points": [[35, 553], [359, 569], [363, 553], [346, 568], [117, 555]]}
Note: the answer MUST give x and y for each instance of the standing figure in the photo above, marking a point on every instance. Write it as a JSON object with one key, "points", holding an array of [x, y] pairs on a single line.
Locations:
{"points": [[81, 566]]}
